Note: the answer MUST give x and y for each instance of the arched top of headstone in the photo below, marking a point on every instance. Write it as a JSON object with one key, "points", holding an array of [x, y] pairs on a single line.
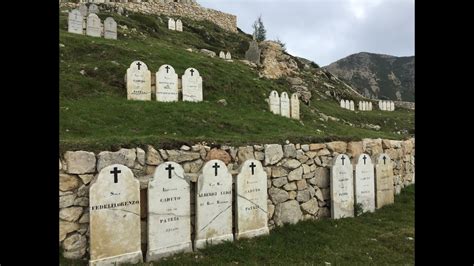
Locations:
{"points": [[168, 172], [75, 12], [138, 65], [214, 170], [342, 103], [341, 160], [364, 159], [168, 69], [92, 16], [191, 72], [110, 20], [93, 8], [221, 54], [83, 9], [171, 20], [178, 21], [114, 174], [284, 95], [228, 56], [294, 96], [274, 94], [252, 166], [383, 158]]}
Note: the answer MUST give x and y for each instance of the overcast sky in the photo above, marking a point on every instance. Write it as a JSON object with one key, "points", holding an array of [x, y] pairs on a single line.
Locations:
{"points": [[327, 30]]}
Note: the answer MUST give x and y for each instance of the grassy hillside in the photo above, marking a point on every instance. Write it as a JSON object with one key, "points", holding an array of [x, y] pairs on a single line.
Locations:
{"points": [[95, 113]]}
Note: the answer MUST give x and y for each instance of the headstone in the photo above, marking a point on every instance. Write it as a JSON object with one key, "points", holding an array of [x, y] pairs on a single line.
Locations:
{"points": [[383, 181], [342, 187], [348, 105], [94, 26], [169, 212], [274, 102], [366, 106], [93, 9], [83, 9], [110, 28], [384, 105], [380, 105], [343, 104], [392, 106], [138, 82], [251, 206], [365, 183], [179, 25], [192, 86], [295, 106], [228, 56], [171, 24], [285, 105], [114, 202], [352, 105], [360, 106], [166, 84], [222, 55], [253, 53], [75, 22], [213, 205], [370, 106]]}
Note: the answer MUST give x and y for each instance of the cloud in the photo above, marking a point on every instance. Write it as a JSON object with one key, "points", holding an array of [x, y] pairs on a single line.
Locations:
{"points": [[327, 30]]}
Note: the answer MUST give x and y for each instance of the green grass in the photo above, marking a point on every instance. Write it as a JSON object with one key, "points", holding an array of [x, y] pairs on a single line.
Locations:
{"points": [[95, 114], [378, 238]]}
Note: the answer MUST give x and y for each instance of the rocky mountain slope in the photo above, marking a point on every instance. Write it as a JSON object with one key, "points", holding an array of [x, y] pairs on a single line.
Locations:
{"points": [[378, 76]]}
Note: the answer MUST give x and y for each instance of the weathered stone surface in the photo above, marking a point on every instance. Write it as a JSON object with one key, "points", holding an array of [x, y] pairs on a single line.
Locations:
{"points": [[66, 200], [312, 191], [337, 146], [372, 146], [75, 254], [271, 210], [354, 148], [74, 242], [303, 195], [182, 156], [292, 164], [290, 186], [393, 153], [80, 162], [316, 146], [324, 152], [310, 207], [84, 218], [407, 146], [152, 156], [279, 182], [218, 154], [70, 214], [301, 184], [259, 155], [306, 169], [308, 176], [68, 182], [193, 167], [324, 212], [384, 190], [292, 195], [86, 179], [123, 156], [277, 195], [305, 147], [273, 154], [66, 228], [311, 154], [287, 212], [386, 144], [208, 52], [245, 153], [295, 174], [278, 171], [322, 177], [289, 151], [82, 201], [319, 194]]}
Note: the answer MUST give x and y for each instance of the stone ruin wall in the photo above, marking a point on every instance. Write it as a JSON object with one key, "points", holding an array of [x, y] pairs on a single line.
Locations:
{"points": [[188, 9], [298, 173]]}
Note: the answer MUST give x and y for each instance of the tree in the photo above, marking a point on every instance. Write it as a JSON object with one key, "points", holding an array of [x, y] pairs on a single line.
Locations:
{"points": [[259, 32], [282, 44]]}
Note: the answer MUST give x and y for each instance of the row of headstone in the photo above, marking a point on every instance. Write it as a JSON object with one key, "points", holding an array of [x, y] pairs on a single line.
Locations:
{"points": [[92, 26], [115, 210], [225, 56], [387, 105], [283, 106], [92, 9], [365, 106], [365, 185], [175, 25], [346, 104], [139, 84]]}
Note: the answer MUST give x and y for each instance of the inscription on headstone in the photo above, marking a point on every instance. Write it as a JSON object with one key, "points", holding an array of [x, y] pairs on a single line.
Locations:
{"points": [[213, 205], [75, 22], [179, 25], [138, 82], [110, 28], [94, 26], [192, 86], [295, 106], [169, 212], [365, 183], [171, 24], [274, 102], [384, 194], [166, 84], [342, 187], [285, 105]]}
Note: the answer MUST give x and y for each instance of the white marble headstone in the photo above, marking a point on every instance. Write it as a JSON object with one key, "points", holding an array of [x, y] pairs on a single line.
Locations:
{"points": [[342, 187], [138, 82], [384, 105], [228, 56], [295, 106], [360, 106], [343, 104], [166, 84], [114, 203], [93, 9], [251, 189], [213, 205], [352, 105], [365, 183], [75, 22], [179, 25], [392, 106], [192, 86], [274, 102], [380, 105], [348, 105], [384, 190], [110, 28], [94, 26], [222, 55], [370, 106], [285, 105], [83, 9], [169, 212], [171, 24]]}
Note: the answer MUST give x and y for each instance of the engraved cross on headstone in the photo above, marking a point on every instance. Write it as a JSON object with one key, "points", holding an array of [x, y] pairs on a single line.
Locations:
{"points": [[365, 158], [115, 172], [384, 160], [215, 166], [169, 169], [192, 72], [139, 64], [252, 165], [343, 158], [167, 69]]}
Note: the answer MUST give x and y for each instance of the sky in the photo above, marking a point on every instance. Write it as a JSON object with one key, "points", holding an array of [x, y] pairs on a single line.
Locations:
{"points": [[325, 31]]}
